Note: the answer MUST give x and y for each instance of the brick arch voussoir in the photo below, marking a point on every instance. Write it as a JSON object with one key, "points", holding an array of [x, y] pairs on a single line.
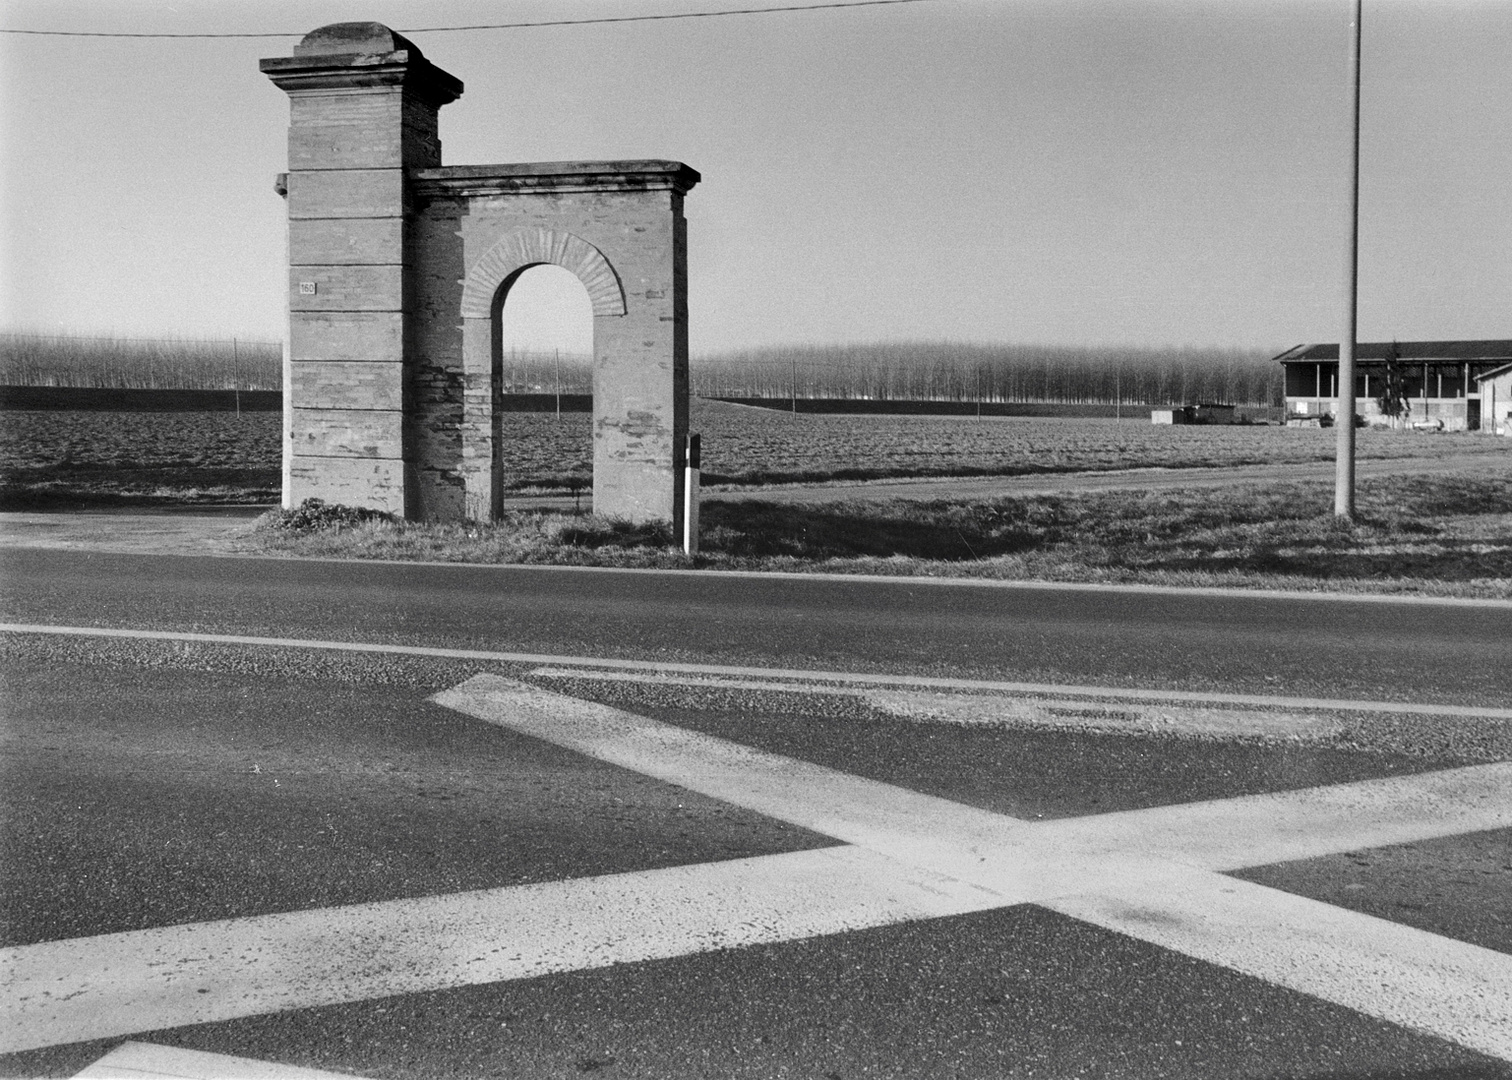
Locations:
{"points": [[531, 247]]}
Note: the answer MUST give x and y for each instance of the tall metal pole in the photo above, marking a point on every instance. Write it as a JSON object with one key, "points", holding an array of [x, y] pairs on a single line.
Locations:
{"points": [[1344, 418]]}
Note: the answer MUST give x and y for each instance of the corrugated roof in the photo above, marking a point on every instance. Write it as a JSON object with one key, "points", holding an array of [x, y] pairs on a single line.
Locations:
{"points": [[1406, 350]]}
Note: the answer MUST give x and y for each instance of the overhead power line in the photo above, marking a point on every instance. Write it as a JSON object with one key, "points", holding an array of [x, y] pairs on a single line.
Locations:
{"points": [[497, 26]]}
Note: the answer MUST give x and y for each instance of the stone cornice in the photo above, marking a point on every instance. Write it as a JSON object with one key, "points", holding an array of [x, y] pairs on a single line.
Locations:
{"points": [[403, 68], [461, 181]]}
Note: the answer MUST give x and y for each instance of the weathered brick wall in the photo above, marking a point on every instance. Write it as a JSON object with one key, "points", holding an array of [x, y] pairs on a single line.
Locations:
{"points": [[434, 430], [363, 107], [627, 244]]}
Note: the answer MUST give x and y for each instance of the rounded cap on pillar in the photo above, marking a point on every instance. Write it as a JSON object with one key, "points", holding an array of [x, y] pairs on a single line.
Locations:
{"points": [[361, 54], [354, 39]]}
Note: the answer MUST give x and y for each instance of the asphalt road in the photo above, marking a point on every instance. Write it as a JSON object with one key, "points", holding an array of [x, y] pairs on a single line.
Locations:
{"points": [[155, 783], [1328, 646]]}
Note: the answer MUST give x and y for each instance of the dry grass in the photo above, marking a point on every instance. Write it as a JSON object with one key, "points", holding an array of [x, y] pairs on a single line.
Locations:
{"points": [[1446, 535]]}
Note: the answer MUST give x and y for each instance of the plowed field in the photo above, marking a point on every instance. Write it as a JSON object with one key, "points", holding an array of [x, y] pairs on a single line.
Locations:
{"points": [[187, 457]]}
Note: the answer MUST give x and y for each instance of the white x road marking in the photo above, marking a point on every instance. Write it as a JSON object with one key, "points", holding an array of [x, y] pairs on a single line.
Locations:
{"points": [[1154, 874]]}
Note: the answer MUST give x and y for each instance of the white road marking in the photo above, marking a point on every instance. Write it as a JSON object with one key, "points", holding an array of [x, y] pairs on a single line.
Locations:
{"points": [[1146, 873], [1449, 988], [981, 710], [1165, 718], [893, 820], [952, 838], [844, 678], [145, 980], [145, 1061], [1131, 871], [1283, 826]]}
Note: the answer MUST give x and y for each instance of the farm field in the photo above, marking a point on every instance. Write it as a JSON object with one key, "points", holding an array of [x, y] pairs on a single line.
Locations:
{"points": [[64, 457], [752, 446], [1446, 534], [104, 458]]}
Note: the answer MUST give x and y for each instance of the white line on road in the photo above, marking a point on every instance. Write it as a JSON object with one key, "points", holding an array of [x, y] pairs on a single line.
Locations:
{"points": [[145, 1061], [144, 980], [1132, 870], [999, 710], [1452, 989], [1144, 873], [1283, 826], [791, 674], [981, 845]]}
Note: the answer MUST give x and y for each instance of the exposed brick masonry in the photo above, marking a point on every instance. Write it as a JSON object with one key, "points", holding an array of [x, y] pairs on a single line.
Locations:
{"points": [[399, 268]]}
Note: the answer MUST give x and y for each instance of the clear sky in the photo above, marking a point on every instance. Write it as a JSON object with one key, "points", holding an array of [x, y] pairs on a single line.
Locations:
{"points": [[1050, 171]]}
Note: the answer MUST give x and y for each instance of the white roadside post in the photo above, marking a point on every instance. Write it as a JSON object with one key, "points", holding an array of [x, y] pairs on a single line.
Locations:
{"points": [[690, 497]]}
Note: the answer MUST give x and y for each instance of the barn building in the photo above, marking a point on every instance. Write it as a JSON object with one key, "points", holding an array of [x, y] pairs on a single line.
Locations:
{"points": [[1441, 381], [1496, 400]]}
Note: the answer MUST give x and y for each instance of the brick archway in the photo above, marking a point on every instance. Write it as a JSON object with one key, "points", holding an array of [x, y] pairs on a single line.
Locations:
{"points": [[485, 292], [533, 247]]}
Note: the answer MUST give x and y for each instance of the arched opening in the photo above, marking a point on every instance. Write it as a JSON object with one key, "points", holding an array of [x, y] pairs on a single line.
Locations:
{"points": [[640, 375], [543, 369]]}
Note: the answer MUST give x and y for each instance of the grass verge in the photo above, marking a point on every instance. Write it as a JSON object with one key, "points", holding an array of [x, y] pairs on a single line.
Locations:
{"points": [[1431, 535]]}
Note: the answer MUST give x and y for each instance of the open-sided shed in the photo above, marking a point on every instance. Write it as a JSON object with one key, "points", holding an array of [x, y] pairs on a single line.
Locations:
{"points": [[1437, 380]]}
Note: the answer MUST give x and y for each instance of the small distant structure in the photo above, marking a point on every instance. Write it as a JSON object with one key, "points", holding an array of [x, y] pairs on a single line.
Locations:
{"points": [[1201, 413], [1496, 400], [1439, 383]]}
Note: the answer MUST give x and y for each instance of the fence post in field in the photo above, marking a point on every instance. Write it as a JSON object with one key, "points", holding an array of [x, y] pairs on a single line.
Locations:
{"points": [[690, 496]]}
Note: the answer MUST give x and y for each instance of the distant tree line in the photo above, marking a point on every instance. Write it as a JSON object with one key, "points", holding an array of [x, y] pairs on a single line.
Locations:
{"points": [[140, 363], [944, 371], [898, 371], [547, 371]]}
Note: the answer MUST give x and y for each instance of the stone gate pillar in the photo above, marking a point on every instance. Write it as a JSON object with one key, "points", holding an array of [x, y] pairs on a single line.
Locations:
{"points": [[363, 112], [399, 269], [640, 367]]}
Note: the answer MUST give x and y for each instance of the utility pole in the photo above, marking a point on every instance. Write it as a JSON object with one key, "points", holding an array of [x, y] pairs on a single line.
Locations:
{"points": [[1344, 419], [236, 374]]}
